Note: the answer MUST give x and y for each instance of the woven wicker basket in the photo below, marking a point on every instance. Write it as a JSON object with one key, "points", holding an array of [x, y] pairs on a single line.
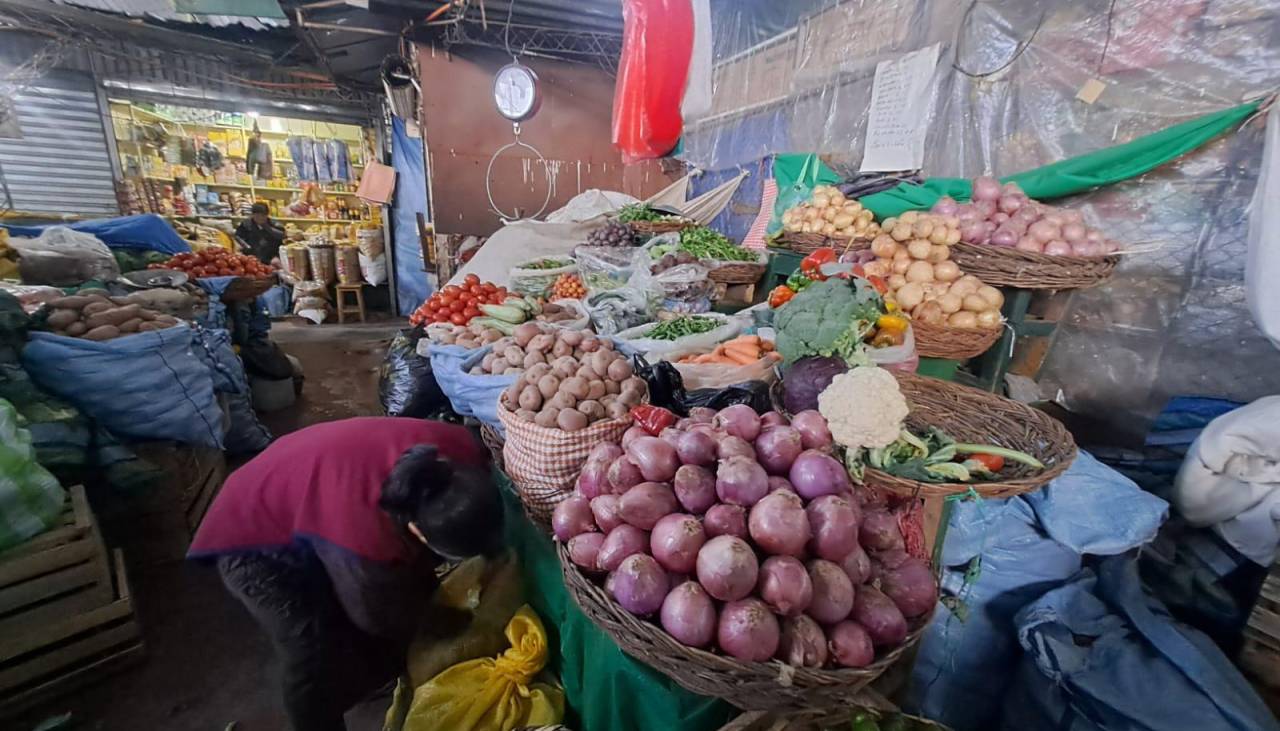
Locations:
{"points": [[807, 243], [492, 441], [247, 288], [653, 228], [750, 686], [978, 417], [1004, 267], [738, 272], [940, 341]]}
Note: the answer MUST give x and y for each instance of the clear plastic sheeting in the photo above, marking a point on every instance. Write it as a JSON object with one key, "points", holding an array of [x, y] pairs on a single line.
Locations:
{"points": [[798, 79]]}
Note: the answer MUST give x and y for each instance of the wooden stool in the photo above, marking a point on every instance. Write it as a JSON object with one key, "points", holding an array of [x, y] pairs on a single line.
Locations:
{"points": [[343, 310]]}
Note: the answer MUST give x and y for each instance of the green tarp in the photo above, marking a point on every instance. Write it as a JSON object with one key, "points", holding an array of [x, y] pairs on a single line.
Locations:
{"points": [[1076, 174], [605, 689]]}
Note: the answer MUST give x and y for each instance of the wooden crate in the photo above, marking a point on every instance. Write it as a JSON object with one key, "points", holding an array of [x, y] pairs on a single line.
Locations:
{"points": [[1260, 655]]}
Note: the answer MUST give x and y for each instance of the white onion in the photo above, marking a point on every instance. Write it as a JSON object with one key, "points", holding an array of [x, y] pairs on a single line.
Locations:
{"points": [[1057, 247]]}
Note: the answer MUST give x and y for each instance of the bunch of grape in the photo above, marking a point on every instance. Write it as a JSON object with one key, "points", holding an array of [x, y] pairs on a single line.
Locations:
{"points": [[612, 234]]}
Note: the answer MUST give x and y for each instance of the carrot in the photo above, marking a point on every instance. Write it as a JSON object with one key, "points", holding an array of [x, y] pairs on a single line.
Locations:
{"points": [[766, 346], [741, 358]]}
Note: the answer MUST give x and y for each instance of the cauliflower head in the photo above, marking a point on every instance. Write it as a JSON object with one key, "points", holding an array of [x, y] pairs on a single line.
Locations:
{"points": [[864, 408]]}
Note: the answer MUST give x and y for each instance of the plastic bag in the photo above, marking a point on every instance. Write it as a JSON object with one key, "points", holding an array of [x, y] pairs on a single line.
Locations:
{"points": [[406, 383], [311, 300], [30, 498], [536, 282], [613, 311], [714, 375], [470, 395], [580, 319], [669, 349], [657, 47], [373, 269], [685, 289], [752, 393], [62, 257], [492, 694], [609, 267], [666, 385], [897, 357], [796, 175]]}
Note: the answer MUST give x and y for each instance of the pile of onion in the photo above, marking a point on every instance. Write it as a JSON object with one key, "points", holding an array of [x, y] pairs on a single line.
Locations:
{"points": [[1003, 215], [741, 533]]}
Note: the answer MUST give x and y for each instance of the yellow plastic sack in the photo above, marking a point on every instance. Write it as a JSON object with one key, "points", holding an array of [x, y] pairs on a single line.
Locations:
{"points": [[492, 694]]}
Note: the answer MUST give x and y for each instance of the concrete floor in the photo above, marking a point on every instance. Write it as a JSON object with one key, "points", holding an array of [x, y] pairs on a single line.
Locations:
{"points": [[207, 664]]}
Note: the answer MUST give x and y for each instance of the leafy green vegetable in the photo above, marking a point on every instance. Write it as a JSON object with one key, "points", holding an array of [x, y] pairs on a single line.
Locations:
{"points": [[928, 458], [828, 318], [638, 212], [546, 264], [705, 243], [680, 327]]}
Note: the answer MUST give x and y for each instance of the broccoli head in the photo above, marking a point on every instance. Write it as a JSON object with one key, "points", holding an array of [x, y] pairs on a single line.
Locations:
{"points": [[826, 318]]}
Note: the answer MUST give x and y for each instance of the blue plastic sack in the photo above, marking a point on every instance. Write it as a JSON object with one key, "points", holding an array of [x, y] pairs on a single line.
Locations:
{"points": [[1001, 555], [151, 385], [245, 434], [146, 231], [1102, 656], [475, 396], [216, 319]]}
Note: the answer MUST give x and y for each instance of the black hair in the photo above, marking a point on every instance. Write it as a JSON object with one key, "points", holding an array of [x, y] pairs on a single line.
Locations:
{"points": [[457, 509], [259, 208]]}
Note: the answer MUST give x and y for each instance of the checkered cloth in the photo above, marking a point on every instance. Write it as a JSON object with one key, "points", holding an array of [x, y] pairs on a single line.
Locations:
{"points": [[543, 463], [755, 234]]}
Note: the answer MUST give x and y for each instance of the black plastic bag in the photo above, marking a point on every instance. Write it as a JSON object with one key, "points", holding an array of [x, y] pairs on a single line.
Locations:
{"points": [[666, 386], [406, 384], [752, 393], [265, 359]]}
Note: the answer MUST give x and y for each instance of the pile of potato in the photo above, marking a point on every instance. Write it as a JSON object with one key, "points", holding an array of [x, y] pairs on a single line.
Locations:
{"points": [[829, 213], [471, 336], [914, 256], [100, 317], [570, 379]]}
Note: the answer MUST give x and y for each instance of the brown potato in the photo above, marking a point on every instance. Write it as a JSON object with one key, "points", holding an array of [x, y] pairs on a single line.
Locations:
{"points": [[617, 410], [531, 398], [548, 385], [513, 354], [95, 307], [592, 409], [74, 302], [596, 389], [572, 337], [497, 366], [103, 332], [535, 372], [533, 358], [561, 348], [576, 386], [564, 366], [76, 329], [511, 396], [547, 417], [525, 332], [606, 344], [542, 343], [487, 361], [131, 326], [586, 373], [563, 400], [525, 415], [612, 388], [60, 319], [590, 344], [600, 361], [637, 383], [619, 370], [571, 420]]}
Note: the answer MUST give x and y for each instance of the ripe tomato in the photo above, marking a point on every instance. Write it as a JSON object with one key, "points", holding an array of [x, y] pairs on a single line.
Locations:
{"points": [[993, 462], [471, 312], [471, 279], [457, 305], [458, 318]]}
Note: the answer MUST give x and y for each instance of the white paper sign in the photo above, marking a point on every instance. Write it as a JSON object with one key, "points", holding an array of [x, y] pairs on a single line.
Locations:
{"points": [[901, 101]]}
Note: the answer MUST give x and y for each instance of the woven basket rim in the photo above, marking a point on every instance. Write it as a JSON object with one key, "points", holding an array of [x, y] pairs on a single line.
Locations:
{"points": [[943, 341], [806, 243], [1003, 266], [1058, 453], [804, 687]]}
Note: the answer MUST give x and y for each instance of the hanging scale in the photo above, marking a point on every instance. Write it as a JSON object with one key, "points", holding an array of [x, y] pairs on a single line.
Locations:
{"points": [[516, 94]]}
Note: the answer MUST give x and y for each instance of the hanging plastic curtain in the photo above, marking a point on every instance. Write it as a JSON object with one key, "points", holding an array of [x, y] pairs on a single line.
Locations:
{"points": [[657, 46]]}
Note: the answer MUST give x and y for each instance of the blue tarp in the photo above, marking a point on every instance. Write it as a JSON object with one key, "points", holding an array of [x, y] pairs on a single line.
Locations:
{"points": [[412, 286], [146, 231]]}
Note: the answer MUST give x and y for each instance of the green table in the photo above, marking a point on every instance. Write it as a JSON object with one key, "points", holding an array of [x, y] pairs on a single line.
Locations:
{"points": [[605, 690]]}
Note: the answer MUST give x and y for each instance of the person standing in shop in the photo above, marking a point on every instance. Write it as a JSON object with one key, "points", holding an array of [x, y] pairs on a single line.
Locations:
{"points": [[261, 234], [330, 537]]}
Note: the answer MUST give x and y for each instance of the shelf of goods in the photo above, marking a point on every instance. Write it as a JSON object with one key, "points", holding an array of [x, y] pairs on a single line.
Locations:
{"points": [[66, 616]]}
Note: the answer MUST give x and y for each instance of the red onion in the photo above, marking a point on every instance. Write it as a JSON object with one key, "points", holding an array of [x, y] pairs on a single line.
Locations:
{"points": [[802, 645], [593, 480], [748, 631], [772, 418], [1004, 237], [631, 434], [571, 517], [675, 542], [1009, 204], [1043, 231], [725, 520], [584, 550], [850, 645], [623, 541], [731, 446], [1054, 216], [689, 615], [814, 433], [777, 447], [645, 504], [832, 592], [778, 524], [879, 617], [857, 566], [1057, 247], [604, 452], [814, 474], [741, 481], [1073, 232], [780, 483], [1095, 235], [966, 213], [834, 522], [1071, 215], [1029, 243], [640, 585], [1088, 248], [727, 568], [670, 436], [702, 414], [999, 217], [945, 206], [984, 209], [740, 421], [985, 188], [910, 586], [972, 232], [785, 585], [696, 447], [879, 531], [605, 510], [656, 458], [695, 488], [624, 475], [685, 424], [883, 561]]}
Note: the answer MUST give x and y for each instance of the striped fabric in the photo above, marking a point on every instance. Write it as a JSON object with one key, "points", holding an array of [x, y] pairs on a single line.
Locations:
{"points": [[755, 235]]}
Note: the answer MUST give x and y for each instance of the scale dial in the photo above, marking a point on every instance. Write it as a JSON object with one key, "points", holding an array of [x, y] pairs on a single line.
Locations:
{"points": [[515, 91]]}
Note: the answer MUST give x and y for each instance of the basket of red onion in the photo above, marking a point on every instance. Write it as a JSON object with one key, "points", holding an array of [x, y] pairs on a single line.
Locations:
{"points": [[732, 553], [1008, 239]]}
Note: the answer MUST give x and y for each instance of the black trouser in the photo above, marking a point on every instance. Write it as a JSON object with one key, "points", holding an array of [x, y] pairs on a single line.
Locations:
{"points": [[328, 664]]}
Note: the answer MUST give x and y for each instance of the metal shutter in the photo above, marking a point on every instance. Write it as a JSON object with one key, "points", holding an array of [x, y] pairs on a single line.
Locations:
{"points": [[61, 163]]}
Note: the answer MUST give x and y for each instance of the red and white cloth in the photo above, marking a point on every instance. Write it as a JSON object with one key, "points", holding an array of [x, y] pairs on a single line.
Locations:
{"points": [[755, 235]]}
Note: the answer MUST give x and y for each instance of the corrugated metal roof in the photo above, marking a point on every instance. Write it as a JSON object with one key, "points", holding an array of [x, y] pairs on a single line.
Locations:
{"points": [[162, 10]]}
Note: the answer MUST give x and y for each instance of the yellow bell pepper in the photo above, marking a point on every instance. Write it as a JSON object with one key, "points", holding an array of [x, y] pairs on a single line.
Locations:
{"points": [[892, 323]]}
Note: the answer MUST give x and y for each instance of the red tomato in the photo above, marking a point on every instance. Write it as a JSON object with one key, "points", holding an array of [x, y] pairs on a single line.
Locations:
{"points": [[471, 279], [471, 312], [993, 462], [458, 318], [457, 306]]}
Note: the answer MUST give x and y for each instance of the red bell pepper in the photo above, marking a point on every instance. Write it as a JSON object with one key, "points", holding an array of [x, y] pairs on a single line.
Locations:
{"points": [[811, 265], [780, 295], [653, 419]]}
